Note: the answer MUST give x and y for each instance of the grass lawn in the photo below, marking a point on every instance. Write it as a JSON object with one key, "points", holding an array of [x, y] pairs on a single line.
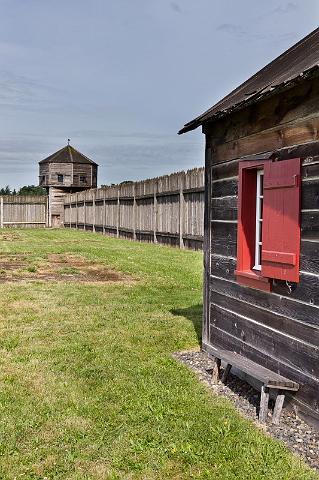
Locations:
{"points": [[89, 389]]}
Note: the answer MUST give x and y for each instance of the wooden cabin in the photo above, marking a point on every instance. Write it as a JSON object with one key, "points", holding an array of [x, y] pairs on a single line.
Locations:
{"points": [[65, 171], [261, 248]]}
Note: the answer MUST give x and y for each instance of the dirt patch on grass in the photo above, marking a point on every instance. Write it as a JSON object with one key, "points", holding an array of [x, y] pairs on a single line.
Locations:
{"points": [[56, 267], [10, 237]]}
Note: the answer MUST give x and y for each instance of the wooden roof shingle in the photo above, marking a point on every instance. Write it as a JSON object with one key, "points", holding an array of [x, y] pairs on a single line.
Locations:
{"points": [[67, 154]]}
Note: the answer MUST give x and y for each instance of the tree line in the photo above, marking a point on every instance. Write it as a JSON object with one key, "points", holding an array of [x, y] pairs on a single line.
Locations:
{"points": [[25, 190]]}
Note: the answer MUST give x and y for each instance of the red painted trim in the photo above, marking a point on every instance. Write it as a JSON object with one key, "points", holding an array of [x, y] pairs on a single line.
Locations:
{"points": [[249, 279], [253, 274], [279, 257], [247, 227], [281, 220]]}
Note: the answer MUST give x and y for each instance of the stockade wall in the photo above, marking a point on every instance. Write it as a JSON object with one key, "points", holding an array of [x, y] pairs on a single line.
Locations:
{"points": [[23, 211], [168, 210]]}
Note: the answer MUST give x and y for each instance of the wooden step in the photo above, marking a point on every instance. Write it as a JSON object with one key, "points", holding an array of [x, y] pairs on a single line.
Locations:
{"points": [[269, 378]]}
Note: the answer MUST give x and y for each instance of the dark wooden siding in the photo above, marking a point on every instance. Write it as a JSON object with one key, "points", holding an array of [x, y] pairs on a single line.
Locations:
{"points": [[280, 329]]}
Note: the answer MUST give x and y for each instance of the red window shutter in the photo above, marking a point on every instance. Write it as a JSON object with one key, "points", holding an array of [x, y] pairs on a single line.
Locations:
{"points": [[281, 220]]}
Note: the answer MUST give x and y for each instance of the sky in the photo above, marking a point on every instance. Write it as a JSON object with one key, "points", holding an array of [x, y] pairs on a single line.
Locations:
{"points": [[121, 77]]}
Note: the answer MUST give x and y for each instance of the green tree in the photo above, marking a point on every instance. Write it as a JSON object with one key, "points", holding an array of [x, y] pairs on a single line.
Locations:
{"points": [[32, 190], [5, 191]]}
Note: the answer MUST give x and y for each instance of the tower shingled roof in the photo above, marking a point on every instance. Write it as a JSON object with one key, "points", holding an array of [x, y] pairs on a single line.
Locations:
{"points": [[67, 154]]}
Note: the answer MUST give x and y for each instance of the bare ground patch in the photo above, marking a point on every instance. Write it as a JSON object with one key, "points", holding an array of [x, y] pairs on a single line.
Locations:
{"points": [[56, 267], [10, 236]]}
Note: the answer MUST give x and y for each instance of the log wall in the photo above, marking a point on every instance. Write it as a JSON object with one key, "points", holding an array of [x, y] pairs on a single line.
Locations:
{"points": [[167, 210], [279, 330]]}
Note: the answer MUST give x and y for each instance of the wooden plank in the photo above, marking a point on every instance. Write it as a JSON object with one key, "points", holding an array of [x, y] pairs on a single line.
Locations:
{"points": [[206, 247], [216, 371], [1, 212], [310, 194], [223, 188], [278, 407], [281, 305], [224, 203], [197, 238], [224, 266], [309, 256], [224, 245], [226, 372], [224, 170], [296, 132], [264, 400], [93, 210], [181, 213], [228, 171], [23, 211], [24, 223], [118, 215], [224, 208], [310, 171], [300, 355], [267, 317], [134, 213], [224, 238], [310, 225]]}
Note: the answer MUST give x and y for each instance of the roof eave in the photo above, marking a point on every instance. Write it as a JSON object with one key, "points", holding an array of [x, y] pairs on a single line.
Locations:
{"points": [[258, 96]]}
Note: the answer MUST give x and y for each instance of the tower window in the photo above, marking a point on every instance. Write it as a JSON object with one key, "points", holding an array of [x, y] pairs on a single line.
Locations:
{"points": [[82, 178], [60, 178]]}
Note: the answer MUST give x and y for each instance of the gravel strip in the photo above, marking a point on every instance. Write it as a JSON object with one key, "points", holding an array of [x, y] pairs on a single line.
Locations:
{"points": [[298, 436]]}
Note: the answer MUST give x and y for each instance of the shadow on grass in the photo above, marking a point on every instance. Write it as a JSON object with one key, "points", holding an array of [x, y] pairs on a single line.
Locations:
{"points": [[194, 314]]}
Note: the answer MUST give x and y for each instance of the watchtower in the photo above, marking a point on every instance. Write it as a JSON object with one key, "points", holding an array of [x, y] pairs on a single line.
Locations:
{"points": [[65, 171]]}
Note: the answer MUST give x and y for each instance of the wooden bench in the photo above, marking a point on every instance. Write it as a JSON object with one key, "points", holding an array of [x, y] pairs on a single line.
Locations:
{"points": [[269, 379]]}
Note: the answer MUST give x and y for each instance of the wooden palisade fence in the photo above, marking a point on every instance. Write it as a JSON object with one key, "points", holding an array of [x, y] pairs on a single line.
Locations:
{"points": [[23, 211], [166, 209]]}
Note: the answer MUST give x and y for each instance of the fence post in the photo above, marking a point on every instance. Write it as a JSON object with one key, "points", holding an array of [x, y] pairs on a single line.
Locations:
{"points": [[1, 212], [94, 208], [155, 214], [76, 211], [134, 213], [47, 223], [118, 214], [71, 213], [104, 212], [181, 211], [49, 208]]}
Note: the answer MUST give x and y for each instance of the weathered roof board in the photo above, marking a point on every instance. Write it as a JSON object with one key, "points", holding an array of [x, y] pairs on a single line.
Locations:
{"points": [[299, 61], [68, 154]]}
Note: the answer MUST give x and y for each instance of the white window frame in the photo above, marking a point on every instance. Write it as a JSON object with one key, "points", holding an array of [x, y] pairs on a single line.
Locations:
{"points": [[259, 198]]}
